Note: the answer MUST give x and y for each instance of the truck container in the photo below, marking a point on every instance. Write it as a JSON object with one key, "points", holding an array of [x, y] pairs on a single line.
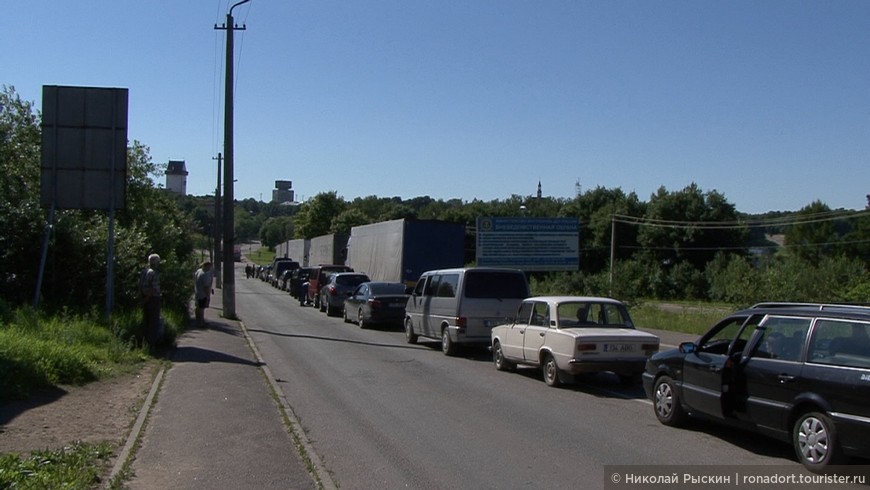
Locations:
{"points": [[328, 249], [294, 249], [401, 250]]}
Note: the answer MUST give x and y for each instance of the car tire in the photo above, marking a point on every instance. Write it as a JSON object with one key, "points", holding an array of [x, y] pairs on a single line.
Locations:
{"points": [[498, 358], [410, 336], [816, 443], [362, 323], [322, 305], [448, 347], [666, 402], [551, 371]]}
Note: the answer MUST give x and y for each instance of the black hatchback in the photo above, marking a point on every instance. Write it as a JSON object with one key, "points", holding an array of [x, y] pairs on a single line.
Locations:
{"points": [[794, 371]]}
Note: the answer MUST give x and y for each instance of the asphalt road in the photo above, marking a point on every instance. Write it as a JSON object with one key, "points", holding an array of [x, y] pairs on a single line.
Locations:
{"points": [[385, 414]]}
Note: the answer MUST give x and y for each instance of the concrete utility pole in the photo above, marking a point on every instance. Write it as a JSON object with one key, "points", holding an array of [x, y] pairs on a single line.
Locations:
{"points": [[218, 281], [229, 286]]}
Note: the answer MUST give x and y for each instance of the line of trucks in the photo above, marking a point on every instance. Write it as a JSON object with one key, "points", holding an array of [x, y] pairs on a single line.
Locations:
{"points": [[396, 251]]}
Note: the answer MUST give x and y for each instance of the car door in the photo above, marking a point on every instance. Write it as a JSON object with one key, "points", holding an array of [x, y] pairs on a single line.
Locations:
{"points": [[536, 333], [512, 347], [767, 380], [352, 304], [707, 372]]}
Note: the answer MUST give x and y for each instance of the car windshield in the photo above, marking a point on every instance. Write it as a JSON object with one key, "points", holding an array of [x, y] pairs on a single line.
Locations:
{"points": [[592, 314], [387, 288]]}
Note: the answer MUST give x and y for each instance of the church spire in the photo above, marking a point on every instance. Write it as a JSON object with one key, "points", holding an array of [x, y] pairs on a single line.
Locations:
{"points": [[539, 189]]}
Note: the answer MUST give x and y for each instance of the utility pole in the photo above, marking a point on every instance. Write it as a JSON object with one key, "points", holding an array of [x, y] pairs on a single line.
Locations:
{"points": [[229, 289], [217, 227]]}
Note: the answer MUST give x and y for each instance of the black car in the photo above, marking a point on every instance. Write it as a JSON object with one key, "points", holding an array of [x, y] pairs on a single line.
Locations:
{"points": [[297, 277], [376, 302], [338, 287], [794, 371]]}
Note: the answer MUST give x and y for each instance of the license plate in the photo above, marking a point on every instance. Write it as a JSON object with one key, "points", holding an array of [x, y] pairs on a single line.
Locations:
{"points": [[619, 347], [397, 305]]}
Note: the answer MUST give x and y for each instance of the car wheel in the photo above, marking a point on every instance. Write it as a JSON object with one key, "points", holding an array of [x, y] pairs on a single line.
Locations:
{"points": [[666, 402], [321, 305], [360, 321], [448, 347], [498, 358], [551, 371], [410, 336], [815, 441]]}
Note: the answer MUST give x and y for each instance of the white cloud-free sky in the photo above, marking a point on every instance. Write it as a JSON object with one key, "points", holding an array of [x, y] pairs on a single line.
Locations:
{"points": [[766, 102]]}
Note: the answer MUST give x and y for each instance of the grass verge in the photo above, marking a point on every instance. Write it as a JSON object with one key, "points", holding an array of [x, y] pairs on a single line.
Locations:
{"points": [[76, 466]]}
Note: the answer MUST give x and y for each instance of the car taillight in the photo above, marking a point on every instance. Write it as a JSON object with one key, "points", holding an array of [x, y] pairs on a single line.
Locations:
{"points": [[461, 322], [650, 347], [331, 290], [374, 303], [585, 347]]}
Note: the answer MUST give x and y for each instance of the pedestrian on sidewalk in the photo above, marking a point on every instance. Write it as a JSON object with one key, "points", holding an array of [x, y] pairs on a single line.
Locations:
{"points": [[149, 291], [202, 281]]}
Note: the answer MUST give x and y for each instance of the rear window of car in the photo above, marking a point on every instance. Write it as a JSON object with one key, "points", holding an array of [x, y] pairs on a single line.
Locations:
{"points": [[350, 280], [841, 343], [495, 284], [378, 288]]}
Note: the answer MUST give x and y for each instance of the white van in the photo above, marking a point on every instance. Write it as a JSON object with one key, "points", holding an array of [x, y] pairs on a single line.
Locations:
{"points": [[460, 306]]}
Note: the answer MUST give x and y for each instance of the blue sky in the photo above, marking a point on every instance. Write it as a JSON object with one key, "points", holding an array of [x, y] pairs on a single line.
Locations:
{"points": [[766, 102]]}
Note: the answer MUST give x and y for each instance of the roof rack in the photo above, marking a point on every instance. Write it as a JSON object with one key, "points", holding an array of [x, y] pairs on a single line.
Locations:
{"points": [[820, 306]]}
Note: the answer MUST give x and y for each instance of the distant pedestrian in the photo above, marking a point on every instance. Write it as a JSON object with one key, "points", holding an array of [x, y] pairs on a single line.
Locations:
{"points": [[202, 280], [149, 290]]}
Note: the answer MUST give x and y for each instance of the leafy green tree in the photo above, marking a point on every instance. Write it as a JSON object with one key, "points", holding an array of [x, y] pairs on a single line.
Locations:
{"points": [[22, 220], [347, 219], [315, 217], [715, 226], [814, 235], [276, 230]]}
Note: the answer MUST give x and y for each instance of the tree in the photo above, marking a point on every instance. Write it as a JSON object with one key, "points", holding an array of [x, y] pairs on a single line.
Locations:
{"points": [[813, 236], [315, 217]]}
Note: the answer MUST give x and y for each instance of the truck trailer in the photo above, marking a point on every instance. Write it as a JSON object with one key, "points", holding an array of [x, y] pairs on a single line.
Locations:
{"points": [[401, 250]]}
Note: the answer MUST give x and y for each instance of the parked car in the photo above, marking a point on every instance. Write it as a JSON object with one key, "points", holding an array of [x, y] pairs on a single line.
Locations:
{"points": [[297, 278], [796, 372], [316, 279], [460, 306], [376, 302], [279, 266], [570, 335], [338, 287]]}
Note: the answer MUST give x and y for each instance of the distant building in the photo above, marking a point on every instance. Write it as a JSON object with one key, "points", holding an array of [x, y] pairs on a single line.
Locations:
{"points": [[283, 192], [176, 177]]}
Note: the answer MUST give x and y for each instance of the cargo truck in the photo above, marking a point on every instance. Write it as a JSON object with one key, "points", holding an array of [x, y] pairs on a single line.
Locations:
{"points": [[401, 250]]}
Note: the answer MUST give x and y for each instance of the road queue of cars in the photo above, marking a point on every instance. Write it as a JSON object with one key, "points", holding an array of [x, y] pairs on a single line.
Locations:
{"points": [[795, 372]]}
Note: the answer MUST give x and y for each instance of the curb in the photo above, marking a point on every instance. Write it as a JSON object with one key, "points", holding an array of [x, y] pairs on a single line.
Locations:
{"points": [[323, 479], [136, 431]]}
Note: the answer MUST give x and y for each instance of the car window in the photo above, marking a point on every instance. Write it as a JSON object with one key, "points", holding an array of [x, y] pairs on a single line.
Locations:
{"points": [[540, 315], [447, 285], [840, 343], [420, 287], [720, 337], [495, 284], [388, 288], [783, 338], [525, 312]]}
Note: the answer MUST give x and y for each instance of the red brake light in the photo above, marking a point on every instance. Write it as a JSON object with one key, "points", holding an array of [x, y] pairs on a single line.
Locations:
{"points": [[461, 322], [375, 303], [331, 290], [585, 347]]}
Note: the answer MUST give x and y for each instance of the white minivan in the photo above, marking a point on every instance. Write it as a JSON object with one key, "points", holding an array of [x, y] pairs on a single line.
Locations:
{"points": [[460, 306]]}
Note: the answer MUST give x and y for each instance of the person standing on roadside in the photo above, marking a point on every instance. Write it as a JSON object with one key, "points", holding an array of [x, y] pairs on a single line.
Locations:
{"points": [[149, 290], [202, 285]]}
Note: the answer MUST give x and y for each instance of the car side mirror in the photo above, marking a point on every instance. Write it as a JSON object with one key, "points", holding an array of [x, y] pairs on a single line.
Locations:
{"points": [[688, 347]]}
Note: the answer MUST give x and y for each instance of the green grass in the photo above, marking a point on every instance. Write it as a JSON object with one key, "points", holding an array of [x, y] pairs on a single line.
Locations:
{"points": [[689, 318], [40, 351], [77, 466], [263, 256]]}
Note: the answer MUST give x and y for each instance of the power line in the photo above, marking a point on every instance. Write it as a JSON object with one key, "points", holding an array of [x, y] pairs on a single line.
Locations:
{"points": [[718, 225]]}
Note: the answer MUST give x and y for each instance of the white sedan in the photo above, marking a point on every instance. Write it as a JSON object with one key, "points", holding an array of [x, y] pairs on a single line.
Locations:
{"points": [[569, 335]]}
